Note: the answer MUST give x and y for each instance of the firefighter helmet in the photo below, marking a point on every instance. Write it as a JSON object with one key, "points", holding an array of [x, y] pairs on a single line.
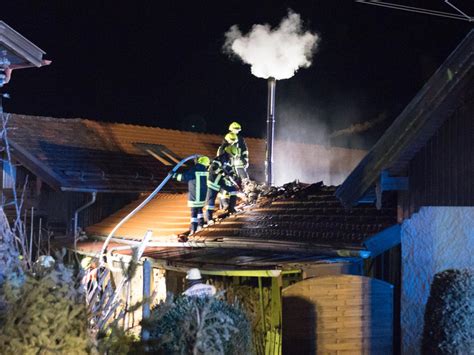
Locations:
{"points": [[86, 262], [193, 274], [203, 160], [231, 138], [232, 150], [235, 127]]}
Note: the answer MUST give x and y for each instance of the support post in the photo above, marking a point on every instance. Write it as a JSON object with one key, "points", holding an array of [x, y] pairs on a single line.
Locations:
{"points": [[273, 345], [146, 296], [262, 306]]}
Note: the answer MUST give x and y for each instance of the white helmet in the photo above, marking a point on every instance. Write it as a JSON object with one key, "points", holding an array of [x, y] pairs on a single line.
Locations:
{"points": [[193, 274]]}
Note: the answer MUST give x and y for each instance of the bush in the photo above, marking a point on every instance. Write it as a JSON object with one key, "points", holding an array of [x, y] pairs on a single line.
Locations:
{"points": [[193, 325], [449, 314], [46, 315]]}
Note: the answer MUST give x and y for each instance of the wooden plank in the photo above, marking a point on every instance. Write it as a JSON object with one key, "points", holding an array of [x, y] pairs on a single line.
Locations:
{"points": [[340, 313]]}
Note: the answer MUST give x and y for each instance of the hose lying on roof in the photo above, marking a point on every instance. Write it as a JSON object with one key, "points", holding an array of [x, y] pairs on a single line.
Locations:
{"points": [[141, 205]]}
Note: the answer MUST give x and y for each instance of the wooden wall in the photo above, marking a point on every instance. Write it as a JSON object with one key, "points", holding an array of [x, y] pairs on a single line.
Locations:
{"points": [[343, 314], [440, 174], [58, 207]]}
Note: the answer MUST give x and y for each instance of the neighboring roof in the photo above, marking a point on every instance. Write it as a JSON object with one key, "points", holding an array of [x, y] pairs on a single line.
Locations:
{"points": [[416, 124], [166, 215], [84, 155], [310, 220]]}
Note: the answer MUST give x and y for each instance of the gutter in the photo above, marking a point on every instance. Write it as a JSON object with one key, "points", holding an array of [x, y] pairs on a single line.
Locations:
{"points": [[231, 273], [251, 244]]}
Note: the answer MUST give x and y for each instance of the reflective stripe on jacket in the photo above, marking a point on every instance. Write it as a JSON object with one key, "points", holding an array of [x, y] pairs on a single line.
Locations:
{"points": [[242, 159], [219, 172], [196, 177]]}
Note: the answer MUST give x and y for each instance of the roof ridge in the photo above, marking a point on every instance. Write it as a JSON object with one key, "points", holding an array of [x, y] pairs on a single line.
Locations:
{"points": [[106, 123]]}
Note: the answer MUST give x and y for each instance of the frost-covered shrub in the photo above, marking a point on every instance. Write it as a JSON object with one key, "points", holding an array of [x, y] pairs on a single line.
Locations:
{"points": [[449, 314], [45, 315], [193, 325]]}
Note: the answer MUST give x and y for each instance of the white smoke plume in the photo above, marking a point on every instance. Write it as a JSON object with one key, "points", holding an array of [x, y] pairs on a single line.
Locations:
{"points": [[278, 52]]}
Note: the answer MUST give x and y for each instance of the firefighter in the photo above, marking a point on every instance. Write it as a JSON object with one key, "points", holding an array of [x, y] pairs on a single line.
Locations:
{"points": [[196, 177], [222, 175], [241, 162], [196, 286]]}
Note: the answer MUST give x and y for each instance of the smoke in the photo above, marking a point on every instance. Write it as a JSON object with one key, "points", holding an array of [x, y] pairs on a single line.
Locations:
{"points": [[359, 127], [278, 52], [302, 149]]}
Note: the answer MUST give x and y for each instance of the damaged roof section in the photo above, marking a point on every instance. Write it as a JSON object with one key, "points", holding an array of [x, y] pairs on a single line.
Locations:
{"points": [[308, 218], [288, 226]]}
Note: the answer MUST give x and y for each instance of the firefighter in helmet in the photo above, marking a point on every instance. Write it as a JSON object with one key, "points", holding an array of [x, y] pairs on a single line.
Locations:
{"points": [[222, 175], [196, 286], [241, 161], [196, 177]]}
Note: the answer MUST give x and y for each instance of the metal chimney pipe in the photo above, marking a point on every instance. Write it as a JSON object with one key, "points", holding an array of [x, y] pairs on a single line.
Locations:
{"points": [[270, 130]]}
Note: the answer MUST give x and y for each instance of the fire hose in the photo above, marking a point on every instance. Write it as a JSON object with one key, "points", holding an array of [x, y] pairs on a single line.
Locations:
{"points": [[140, 206]]}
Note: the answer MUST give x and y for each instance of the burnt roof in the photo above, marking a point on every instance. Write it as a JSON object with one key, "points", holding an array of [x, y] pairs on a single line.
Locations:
{"points": [[439, 97], [309, 218], [290, 225]]}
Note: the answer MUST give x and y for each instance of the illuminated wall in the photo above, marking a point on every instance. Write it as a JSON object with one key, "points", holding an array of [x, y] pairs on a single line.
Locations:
{"points": [[433, 240]]}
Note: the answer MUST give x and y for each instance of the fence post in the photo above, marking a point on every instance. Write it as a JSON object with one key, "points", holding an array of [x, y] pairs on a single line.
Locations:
{"points": [[146, 296]]}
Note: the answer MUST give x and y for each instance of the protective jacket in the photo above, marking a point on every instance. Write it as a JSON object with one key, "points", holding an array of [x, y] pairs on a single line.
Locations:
{"points": [[221, 173], [196, 177], [242, 158], [200, 290]]}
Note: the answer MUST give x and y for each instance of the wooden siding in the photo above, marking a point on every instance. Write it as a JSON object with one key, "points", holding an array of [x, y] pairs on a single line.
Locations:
{"points": [[429, 109], [441, 173], [58, 208], [338, 315]]}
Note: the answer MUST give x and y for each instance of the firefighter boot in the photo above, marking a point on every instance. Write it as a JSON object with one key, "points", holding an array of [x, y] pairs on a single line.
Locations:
{"points": [[232, 203], [200, 221], [193, 228], [209, 215]]}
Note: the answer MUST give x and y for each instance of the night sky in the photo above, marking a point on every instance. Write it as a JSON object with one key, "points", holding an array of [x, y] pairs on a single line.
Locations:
{"points": [[161, 63]]}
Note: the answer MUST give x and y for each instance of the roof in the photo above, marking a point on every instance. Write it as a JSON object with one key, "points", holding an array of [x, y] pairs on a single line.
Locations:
{"points": [[85, 155], [21, 51], [165, 215], [418, 122], [294, 224], [306, 219]]}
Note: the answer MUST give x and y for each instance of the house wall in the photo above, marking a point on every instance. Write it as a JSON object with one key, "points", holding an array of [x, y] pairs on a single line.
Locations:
{"points": [[58, 207], [433, 240], [132, 294], [440, 174]]}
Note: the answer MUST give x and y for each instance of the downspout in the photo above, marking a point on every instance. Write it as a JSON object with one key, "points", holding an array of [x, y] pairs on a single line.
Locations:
{"points": [[76, 216]]}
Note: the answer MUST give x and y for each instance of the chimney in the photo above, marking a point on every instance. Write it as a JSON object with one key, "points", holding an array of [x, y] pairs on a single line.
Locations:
{"points": [[270, 130]]}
